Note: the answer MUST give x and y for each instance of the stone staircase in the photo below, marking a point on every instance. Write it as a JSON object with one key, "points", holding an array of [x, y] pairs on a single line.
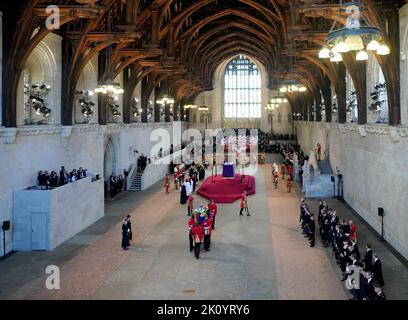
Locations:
{"points": [[317, 182], [325, 167], [137, 182]]}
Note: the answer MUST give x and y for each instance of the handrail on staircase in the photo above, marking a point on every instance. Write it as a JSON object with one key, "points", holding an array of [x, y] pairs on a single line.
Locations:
{"points": [[326, 152], [131, 176], [133, 168]]}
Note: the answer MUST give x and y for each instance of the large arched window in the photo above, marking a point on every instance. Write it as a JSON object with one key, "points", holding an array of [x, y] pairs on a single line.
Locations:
{"points": [[242, 89]]}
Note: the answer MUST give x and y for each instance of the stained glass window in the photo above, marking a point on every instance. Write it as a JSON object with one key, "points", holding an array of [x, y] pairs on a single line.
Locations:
{"points": [[242, 89]]}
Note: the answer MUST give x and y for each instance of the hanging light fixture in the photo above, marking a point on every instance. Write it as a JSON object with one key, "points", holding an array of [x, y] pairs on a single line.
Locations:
{"points": [[362, 56], [278, 100], [324, 53], [374, 45], [336, 58], [354, 43], [165, 100], [109, 86], [190, 106], [342, 46], [292, 87], [353, 37], [383, 50], [203, 108]]}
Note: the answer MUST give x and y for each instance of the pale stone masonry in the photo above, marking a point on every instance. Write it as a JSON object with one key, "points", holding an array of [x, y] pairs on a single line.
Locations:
{"points": [[372, 159]]}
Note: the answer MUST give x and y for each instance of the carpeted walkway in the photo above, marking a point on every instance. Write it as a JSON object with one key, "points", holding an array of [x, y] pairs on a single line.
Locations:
{"points": [[227, 190]]}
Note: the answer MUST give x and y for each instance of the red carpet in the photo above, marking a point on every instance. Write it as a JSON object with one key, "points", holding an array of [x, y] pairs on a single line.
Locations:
{"points": [[227, 190]]}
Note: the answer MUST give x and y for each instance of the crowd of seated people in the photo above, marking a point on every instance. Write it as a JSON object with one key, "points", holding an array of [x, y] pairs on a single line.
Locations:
{"points": [[52, 180], [341, 236]]}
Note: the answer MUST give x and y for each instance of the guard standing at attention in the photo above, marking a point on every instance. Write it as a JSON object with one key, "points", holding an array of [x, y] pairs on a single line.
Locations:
{"points": [[275, 179], [198, 237], [212, 207], [190, 204], [166, 183], [242, 205], [190, 223], [312, 231], [207, 233], [289, 185], [283, 170]]}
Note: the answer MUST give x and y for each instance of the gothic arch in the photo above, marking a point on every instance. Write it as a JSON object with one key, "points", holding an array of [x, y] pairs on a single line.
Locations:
{"points": [[110, 159], [218, 94], [41, 66], [87, 81]]}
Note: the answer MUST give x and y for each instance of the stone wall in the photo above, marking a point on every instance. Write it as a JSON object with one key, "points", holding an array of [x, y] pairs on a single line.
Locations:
{"points": [[404, 63], [26, 150], [372, 159], [68, 210]]}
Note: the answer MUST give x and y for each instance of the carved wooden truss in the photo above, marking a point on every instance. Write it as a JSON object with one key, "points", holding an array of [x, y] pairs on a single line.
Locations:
{"points": [[176, 45]]}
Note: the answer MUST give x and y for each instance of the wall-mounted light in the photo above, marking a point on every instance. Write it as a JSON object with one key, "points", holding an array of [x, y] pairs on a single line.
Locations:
{"points": [[114, 107], [37, 93], [85, 102]]}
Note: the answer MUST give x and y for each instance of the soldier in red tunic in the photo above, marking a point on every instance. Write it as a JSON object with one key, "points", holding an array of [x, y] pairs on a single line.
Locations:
{"points": [[166, 183], [291, 171], [190, 204], [191, 223], [275, 179], [176, 179], [212, 207], [243, 203], [289, 185], [198, 237], [207, 233], [283, 170]]}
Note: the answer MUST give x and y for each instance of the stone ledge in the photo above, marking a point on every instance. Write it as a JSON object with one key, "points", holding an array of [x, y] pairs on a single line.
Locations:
{"points": [[9, 134], [395, 133]]}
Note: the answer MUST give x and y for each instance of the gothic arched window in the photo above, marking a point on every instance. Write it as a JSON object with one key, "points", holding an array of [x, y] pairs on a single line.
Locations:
{"points": [[242, 89]]}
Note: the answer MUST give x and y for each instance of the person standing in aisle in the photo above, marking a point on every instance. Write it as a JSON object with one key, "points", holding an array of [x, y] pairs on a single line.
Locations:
{"points": [[377, 270], [190, 225], [190, 204], [125, 234], [244, 204], [289, 185], [312, 231], [283, 170], [207, 233], [276, 179], [198, 237], [212, 207], [129, 225], [166, 183]]}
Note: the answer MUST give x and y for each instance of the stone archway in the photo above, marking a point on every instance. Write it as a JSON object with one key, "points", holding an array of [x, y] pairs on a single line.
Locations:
{"points": [[109, 159]]}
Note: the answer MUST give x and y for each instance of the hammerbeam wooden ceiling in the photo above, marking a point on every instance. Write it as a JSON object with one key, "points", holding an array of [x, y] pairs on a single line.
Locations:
{"points": [[181, 42]]}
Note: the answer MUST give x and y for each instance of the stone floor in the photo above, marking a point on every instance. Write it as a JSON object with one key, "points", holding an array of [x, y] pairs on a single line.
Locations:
{"points": [[259, 257]]}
